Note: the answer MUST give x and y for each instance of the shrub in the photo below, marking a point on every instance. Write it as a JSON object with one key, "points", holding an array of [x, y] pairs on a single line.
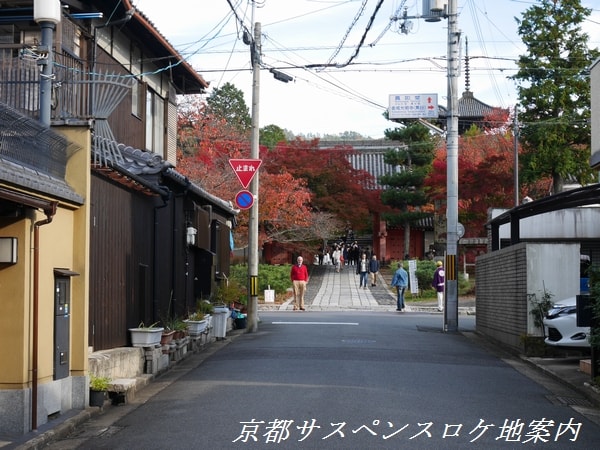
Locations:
{"points": [[595, 298], [99, 383], [275, 277]]}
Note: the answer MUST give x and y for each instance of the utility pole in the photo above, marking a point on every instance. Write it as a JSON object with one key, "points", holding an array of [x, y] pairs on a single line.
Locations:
{"points": [[252, 318], [451, 269], [516, 154]]}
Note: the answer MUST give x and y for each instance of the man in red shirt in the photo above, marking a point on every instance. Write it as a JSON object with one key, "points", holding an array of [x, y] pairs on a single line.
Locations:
{"points": [[299, 276]]}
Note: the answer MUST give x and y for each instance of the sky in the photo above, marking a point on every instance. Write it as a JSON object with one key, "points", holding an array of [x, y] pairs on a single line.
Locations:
{"points": [[353, 95]]}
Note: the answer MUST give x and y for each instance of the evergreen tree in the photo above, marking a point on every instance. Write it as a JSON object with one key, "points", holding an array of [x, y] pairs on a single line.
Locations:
{"points": [[271, 135], [228, 103], [404, 189], [554, 92]]}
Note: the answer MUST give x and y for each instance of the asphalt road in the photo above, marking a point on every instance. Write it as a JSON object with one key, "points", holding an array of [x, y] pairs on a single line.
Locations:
{"points": [[346, 380]]}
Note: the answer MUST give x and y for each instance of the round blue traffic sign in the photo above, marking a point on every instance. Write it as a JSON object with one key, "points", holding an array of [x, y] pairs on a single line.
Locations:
{"points": [[244, 199]]}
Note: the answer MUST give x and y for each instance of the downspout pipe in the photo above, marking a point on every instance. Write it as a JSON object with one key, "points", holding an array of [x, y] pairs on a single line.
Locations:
{"points": [[50, 213]]}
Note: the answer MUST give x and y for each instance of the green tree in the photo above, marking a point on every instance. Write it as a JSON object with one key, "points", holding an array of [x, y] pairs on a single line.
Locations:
{"points": [[404, 190], [271, 135], [228, 103], [554, 92]]}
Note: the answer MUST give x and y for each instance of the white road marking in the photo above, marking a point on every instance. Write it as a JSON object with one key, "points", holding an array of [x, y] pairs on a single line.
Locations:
{"points": [[314, 323]]}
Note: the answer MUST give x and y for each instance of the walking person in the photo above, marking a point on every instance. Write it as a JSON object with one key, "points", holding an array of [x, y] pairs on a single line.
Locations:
{"points": [[373, 269], [400, 281], [438, 282], [362, 269], [337, 253], [299, 276]]}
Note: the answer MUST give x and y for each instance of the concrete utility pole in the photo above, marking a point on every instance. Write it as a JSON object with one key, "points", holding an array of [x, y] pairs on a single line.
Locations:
{"points": [[516, 154], [451, 297], [252, 319]]}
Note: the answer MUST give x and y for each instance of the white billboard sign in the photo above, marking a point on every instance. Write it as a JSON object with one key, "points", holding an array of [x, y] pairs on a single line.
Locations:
{"points": [[413, 106]]}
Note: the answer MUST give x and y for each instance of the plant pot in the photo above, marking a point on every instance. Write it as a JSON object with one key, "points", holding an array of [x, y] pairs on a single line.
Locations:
{"points": [[146, 337], [97, 398], [196, 327], [167, 337], [179, 334]]}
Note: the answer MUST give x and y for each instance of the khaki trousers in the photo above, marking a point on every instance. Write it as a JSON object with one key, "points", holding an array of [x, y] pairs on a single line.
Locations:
{"points": [[299, 290], [373, 277]]}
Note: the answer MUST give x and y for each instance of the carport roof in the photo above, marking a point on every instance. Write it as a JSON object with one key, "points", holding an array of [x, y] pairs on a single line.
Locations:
{"points": [[584, 196], [587, 195]]}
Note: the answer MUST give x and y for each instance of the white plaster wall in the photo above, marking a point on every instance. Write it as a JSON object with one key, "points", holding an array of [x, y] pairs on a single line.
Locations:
{"points": [[574, 223], [553, 268]]}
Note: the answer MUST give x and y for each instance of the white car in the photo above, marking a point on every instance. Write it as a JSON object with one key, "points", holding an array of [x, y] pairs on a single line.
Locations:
{"points": [[560, 325]]}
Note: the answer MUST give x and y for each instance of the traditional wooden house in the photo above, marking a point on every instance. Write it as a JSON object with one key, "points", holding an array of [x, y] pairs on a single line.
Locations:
{"points": [[98, 230]]}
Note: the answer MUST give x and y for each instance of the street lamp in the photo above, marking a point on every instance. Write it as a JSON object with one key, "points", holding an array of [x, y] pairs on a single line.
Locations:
{"points": [[47, 14]]}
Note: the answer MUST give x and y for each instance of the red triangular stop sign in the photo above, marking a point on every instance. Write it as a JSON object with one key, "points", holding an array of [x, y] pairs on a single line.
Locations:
{"points": [[245, 169]]}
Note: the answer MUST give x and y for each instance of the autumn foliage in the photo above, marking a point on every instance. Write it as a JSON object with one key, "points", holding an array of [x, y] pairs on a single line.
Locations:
{"points": [[337, 188], [485, 177], [206, 144]]}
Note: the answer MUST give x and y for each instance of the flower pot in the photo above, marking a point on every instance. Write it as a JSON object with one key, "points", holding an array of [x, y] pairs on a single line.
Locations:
{"points": [[167, 337], [179, 334], [196, 327], [97, 398], [146, 337]]}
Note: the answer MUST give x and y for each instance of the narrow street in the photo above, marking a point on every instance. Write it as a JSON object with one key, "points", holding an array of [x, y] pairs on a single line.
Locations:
{"points": [[345, 377]]}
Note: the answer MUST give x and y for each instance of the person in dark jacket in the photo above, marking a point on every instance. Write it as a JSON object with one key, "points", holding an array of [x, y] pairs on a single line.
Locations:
{"points": [[373, 269]]}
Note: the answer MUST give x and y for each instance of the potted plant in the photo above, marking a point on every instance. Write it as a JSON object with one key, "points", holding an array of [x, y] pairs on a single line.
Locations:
{"points": [[204, 307], [143, 336], [169, 330], [197, 323], [180, 328], [98, 388]]}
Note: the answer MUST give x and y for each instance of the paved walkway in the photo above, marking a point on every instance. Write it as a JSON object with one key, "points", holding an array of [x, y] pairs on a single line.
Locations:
{"points": [[331, 290]]}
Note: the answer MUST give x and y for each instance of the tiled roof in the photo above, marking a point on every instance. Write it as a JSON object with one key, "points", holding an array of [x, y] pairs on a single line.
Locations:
{"points": [[145, 170], [469, 107], [368, 155]]}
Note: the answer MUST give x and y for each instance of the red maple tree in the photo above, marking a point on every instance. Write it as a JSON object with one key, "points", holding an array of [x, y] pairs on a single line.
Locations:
{"points": [[206, 144], [337, 187], [485, 175]]}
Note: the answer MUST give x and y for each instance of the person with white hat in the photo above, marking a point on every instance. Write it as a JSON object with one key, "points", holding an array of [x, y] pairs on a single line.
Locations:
{"points": [[438, 284]]}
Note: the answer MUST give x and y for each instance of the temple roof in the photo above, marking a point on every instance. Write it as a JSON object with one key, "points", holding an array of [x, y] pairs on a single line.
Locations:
{"points": [[469, 106]]}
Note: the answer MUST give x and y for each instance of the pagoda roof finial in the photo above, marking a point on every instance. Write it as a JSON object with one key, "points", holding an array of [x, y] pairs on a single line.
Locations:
{"points": [[467, 71]]}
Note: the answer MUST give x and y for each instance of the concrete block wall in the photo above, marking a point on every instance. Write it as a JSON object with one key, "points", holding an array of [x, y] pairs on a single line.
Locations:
{"points": [[501, 279], [507, 280]]}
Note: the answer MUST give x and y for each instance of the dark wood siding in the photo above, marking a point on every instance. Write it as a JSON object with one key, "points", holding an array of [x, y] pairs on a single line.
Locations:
{"points": [[121, 263], [141, 268]]}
